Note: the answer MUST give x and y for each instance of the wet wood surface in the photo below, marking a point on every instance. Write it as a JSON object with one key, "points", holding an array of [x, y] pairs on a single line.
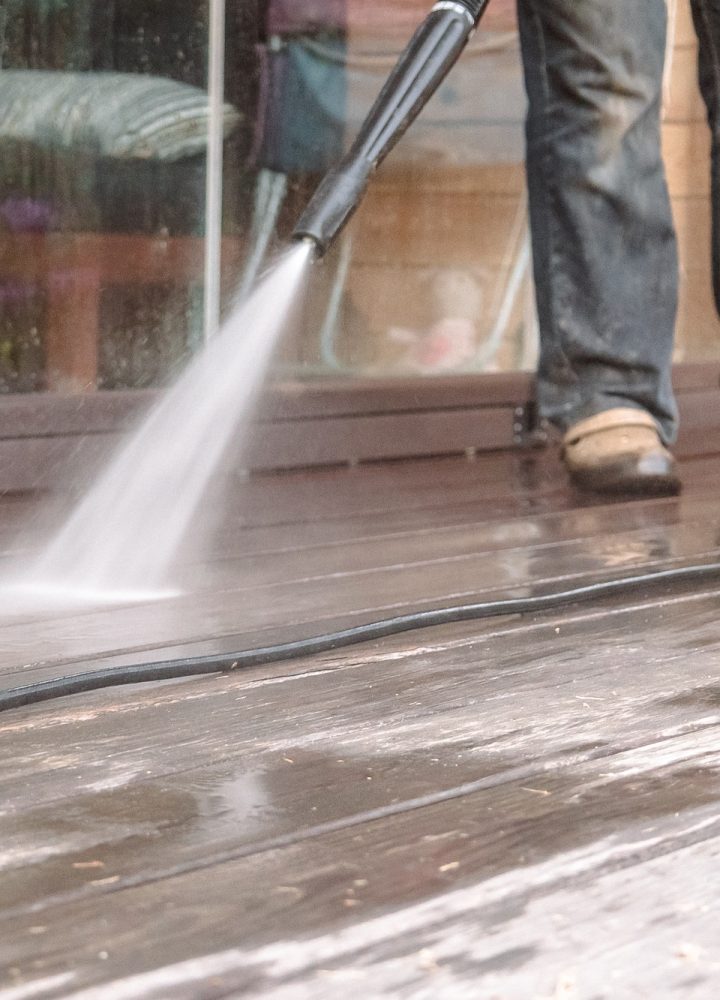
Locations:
{"points": [[524, 807]]}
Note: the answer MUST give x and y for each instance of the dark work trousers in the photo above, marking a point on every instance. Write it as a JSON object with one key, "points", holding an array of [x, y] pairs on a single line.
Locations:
{"points": [[604, 252]]}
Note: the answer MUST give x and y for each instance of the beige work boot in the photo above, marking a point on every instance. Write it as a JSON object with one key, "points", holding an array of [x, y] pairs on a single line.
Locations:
{"points": [[619, 451]]}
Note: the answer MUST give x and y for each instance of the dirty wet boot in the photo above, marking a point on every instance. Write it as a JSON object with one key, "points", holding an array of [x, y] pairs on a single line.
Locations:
{"points": [[620, 451]]}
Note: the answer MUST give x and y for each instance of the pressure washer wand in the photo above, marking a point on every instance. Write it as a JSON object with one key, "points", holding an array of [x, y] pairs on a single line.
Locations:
{"points": [[429, 56]]}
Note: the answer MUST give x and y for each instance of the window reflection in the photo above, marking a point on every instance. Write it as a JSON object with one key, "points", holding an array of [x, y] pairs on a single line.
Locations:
{"points": [[103, 124], [434, 274], [103, 131]]}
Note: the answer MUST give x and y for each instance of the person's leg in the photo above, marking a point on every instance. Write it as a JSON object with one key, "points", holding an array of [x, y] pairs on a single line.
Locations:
{"points": [[603, 241], [706, 17]]}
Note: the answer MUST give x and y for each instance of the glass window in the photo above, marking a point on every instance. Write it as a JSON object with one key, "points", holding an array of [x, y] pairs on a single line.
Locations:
{"points": [[433, 275], [132, 205], [102, 190]]}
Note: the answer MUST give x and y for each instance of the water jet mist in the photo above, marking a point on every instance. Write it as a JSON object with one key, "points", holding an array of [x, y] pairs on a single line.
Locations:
{"points": [[120, 540]]}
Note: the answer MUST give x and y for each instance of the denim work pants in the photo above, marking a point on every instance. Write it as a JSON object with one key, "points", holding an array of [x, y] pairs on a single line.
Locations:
{"points": [[604, 250]]}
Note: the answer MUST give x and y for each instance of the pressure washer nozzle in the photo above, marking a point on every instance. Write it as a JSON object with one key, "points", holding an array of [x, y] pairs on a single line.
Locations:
{"points": [[429, 56], [333, 203], [311, 243]]}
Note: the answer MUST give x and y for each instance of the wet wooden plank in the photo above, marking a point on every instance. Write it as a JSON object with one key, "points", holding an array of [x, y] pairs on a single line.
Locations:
{"points": [[303, 590], [500, 485], [501, 934], [484, 793], [257, 519], [361, 731], [237, 599], [425, 867], [320, 503], [235, 813]]}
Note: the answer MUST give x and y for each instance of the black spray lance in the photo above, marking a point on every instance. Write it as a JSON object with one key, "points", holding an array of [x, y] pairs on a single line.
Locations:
{"points": [[429, 56]]}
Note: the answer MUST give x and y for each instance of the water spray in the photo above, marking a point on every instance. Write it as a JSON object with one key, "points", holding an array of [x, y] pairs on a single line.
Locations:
{"points": [[428, 58]]}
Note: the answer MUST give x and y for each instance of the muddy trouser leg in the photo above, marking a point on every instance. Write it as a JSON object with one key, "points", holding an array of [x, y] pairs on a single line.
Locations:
{"points": [[706, 16], [604, 252]]}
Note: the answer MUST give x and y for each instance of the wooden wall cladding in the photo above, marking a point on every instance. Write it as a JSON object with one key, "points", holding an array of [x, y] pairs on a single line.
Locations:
{"points": [[48, 441], [686, 148], [400, 18], [51, 442]]}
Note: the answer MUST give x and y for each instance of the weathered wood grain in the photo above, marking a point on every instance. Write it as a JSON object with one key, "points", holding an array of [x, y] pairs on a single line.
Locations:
{"points": [[520, 807]]}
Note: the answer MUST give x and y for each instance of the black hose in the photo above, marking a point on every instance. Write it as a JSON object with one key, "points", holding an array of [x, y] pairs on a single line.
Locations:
{"points": [[164, 670]]}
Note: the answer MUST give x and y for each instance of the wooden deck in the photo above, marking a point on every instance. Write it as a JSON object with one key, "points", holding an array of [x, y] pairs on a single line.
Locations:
{"points": [[527, 807]]}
